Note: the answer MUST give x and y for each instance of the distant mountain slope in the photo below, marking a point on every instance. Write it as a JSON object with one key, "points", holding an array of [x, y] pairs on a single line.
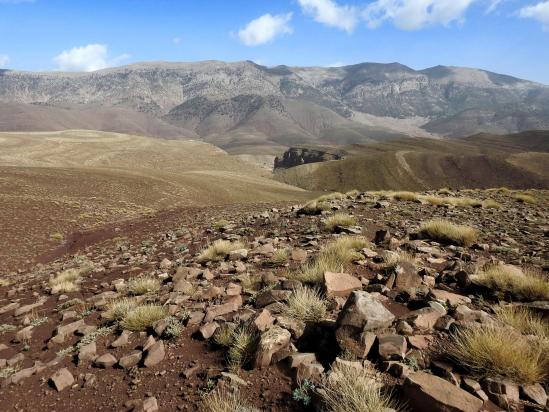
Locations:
{"points": [[243, 106], [481, 161]]}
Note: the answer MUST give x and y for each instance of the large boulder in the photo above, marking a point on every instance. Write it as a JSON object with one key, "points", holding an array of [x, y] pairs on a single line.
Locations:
{"points": [[363, 311], [428, 393]]}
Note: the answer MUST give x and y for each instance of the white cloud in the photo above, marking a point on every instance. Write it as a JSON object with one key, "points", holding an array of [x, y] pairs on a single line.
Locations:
{"points": [[416, 14], [265, 29], [539, 12], [87, 58], [330, 13], [4, 60], [176, 40]]}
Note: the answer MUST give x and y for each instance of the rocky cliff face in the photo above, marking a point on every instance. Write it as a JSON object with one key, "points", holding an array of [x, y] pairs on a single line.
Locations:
{"points": [[298, 156], [285, 105]]}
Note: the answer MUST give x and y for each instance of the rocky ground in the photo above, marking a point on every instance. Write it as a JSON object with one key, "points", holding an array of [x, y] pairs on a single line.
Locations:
{"points": [[389, 312]]}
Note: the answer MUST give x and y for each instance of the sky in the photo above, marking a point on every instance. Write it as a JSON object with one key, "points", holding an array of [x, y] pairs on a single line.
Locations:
{"points": [[504, 36]]}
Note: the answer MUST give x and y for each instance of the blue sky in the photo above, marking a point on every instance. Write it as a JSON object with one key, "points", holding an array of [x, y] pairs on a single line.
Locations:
{"points": [[505, 36]]}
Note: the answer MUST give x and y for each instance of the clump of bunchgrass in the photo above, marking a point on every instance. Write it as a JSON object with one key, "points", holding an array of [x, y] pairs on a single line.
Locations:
{"points": [[491, 204], [392, 259], [221, 225], [351, 388], [407, 196], [447, 232], [142, 317], [118, 309], [524, 198], [333, 257], [490, 351], [219, 250], [66, 281], [243, 346], [143, 284], [306, 304], [315, 207], [339, 220], [523, 284], [222, 400], [280, 257], [524, 320]]}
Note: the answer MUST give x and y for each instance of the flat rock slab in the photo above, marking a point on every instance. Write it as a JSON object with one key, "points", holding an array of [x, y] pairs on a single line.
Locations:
{"points": [[429, 393]]}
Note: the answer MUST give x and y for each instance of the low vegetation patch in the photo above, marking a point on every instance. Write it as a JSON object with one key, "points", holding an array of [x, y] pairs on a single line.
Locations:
{"points": [[65, 281], [143, 284], [392, 259], [409, 196], [315, 207], [496, 352], [219, 250], [306, 304], [523, 284], [525, 198], [225, 401], [523, 320], [447, 232], [244, 340], [118, 309], [341, 220], [142, 317], [351, 388], [331, 196], [491, 204], [280, 257], [333, 257], [7, 371], [221, 225]]}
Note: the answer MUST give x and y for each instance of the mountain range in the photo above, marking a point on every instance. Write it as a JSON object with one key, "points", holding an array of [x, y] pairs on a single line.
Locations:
{"points": [[244, 107]]}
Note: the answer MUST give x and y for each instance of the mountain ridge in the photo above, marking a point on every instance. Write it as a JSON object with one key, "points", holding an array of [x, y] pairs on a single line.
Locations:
{"points": [[266, 109]]}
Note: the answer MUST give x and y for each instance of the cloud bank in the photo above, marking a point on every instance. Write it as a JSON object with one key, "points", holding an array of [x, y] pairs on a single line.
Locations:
{"points": [[86, 58]]}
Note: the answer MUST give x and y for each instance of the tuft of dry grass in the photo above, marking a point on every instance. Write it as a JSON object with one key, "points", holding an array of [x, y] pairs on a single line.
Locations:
{"points": [[143, 284], [464, 202], [339, 219], [352, 193], [65, 281], [307, 305], [224, 334], [524, 198], [315, 207], [448, 232], [331, 196], [219, 250], [491, 204], [222, 400], [527, 284], [143, 317], [350, 388], [333, 257], [408, 196], [434, 200], [444, 191], [495, 352], [118, 309], [221, 224], [280, 257], [524, 320], [243, 346], [392, 259]]}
